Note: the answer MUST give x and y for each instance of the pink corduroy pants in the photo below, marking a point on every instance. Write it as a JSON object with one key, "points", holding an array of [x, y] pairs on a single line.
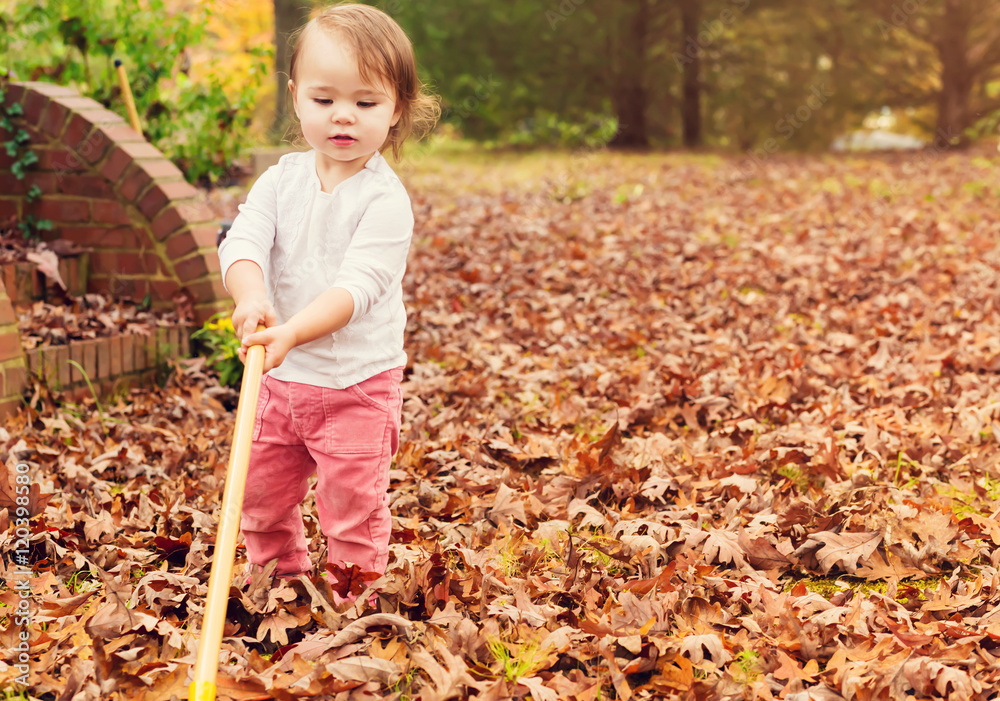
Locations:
{"points": [[347, 438]]}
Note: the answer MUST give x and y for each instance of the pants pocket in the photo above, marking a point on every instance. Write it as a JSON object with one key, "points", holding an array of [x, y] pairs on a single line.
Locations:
{"points": [[354, 422], [374, 391]]}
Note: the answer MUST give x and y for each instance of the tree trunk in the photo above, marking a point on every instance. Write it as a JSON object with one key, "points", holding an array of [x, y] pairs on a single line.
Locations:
{"points": [[954, 114], [629, 96], [289, 15], [957, 77], [691, 94]]}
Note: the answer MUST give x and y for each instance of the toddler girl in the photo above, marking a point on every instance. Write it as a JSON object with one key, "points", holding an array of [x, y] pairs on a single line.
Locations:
{"points": [[317, 255]]}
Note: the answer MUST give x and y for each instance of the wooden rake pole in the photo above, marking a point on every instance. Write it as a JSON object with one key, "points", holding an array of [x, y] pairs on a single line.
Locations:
{"points": [[133, 115], [207, 666]]}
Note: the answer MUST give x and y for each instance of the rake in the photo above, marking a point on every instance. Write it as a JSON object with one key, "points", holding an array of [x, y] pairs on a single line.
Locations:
{"points": [[207, 666]]}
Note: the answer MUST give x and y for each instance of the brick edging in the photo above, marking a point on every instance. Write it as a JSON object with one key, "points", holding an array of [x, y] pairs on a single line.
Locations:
{"points": [[109, 362]]}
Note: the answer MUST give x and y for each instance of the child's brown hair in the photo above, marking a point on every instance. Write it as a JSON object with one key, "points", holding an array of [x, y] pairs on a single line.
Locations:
{"points": [[384, 53]]}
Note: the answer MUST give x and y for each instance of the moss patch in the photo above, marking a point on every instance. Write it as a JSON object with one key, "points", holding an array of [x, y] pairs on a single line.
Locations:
{"points": [[828, 586]]}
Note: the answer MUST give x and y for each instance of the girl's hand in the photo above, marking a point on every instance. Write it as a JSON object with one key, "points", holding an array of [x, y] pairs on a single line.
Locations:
{"points": [[250, 312], [277, 341]]}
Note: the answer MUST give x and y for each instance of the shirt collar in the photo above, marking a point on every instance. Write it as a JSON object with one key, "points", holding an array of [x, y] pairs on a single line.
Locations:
{"points": [[371, 164]]}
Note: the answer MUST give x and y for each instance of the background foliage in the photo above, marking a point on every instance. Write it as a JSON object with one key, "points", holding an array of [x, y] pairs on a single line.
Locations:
{"points": [[739, 75], [758, 61]]}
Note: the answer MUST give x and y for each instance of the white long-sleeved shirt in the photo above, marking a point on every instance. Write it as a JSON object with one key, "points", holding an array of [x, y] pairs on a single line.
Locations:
{"points": [[307, 241]]}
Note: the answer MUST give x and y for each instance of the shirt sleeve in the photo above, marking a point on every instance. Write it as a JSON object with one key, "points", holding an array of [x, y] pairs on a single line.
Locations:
{"points": [[376, 256], [251, 236]]}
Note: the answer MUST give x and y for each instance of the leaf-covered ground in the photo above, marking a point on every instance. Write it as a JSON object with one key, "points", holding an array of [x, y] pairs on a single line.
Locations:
{"points": [[673, 428]]}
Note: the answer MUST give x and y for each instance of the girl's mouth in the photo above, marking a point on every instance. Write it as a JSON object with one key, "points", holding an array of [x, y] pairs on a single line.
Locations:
{"points": [[343, 140]]}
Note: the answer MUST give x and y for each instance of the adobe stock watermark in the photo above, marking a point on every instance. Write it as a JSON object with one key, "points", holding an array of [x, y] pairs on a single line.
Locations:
{"points": [[562, 11], [943, 141], [308, 268], [579, 161], [901, 15], [485, 87], [709, 34], [786, 127], [79, 160], [22, 574]]}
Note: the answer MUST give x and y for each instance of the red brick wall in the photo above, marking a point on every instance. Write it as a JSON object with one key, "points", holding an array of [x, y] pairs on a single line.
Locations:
{"points": [[13, 369], [105, 187]]}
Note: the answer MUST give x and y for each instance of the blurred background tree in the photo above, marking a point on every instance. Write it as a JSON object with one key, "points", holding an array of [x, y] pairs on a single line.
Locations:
{"points": [[289, 15], [210, 75], [960, 39]]}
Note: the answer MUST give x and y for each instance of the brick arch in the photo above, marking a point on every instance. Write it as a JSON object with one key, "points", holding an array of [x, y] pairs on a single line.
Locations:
{"points": [[105, 187]]}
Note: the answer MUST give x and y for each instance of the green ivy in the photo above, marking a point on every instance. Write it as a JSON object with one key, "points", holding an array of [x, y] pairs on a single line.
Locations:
{"points": [[24, 158]]}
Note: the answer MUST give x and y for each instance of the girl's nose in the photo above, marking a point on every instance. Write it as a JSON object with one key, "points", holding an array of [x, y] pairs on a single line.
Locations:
{"points": [[343, 115]]}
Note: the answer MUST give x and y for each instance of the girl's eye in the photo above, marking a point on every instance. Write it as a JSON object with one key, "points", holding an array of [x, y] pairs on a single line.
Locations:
{"points": [[366, 104], [322, 101]]}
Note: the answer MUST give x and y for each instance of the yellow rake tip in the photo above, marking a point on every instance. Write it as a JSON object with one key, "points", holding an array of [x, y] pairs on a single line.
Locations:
{"points": [[202, 691]]}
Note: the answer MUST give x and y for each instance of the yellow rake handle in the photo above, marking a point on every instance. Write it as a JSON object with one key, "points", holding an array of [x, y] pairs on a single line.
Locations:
{"points": [[207, 666], [133, 115]]}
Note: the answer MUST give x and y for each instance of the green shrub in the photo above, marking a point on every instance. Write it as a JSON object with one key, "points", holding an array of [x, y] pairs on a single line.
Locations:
{"points": [[187, 115], [547, 129], [217, 337]]}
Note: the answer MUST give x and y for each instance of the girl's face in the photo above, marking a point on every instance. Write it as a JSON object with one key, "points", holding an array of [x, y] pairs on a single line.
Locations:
{"points": [[343, 118]]}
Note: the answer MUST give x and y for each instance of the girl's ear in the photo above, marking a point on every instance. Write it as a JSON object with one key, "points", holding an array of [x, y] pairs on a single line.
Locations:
{"points": [[295, 104], [396, 115]]}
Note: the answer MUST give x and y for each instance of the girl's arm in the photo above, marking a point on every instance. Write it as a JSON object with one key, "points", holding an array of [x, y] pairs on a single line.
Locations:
{"points": [[373, 260], [377, 253], [244, 254], [326, 314], [245, 281]]}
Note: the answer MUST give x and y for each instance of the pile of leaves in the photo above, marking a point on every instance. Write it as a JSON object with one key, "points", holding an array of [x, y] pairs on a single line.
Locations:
{"points": [[89, 316], [671, 429], [13, 246], [64, 317], [16, 248]]}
